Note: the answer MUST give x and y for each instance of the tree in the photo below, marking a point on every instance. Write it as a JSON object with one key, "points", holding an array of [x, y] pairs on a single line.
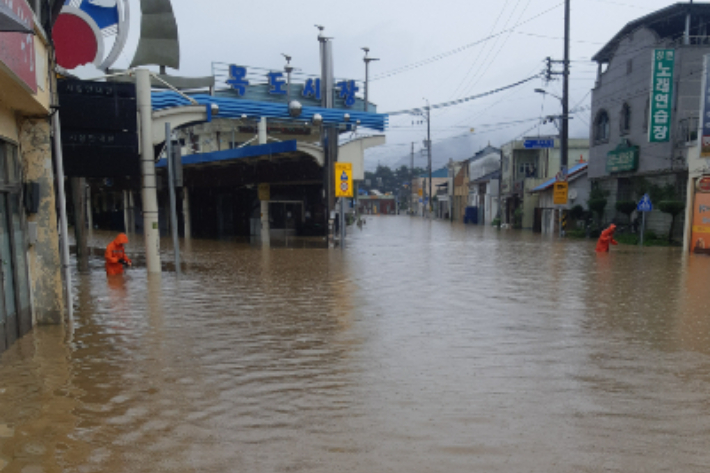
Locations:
{"points": [[626, 207], [597, 201]]}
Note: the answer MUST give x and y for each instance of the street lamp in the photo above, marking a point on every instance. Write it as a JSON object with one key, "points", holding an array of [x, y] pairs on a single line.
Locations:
{"points": [[544, 92], [289, 69], [367, 61], [428, 147]]}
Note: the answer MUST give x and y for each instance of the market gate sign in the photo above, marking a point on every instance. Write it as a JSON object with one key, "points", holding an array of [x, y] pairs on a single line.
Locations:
{"points": [[622, 158]]}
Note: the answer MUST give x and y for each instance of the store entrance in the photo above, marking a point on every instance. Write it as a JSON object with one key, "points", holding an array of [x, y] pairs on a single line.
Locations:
{"points": [[15, 310]]}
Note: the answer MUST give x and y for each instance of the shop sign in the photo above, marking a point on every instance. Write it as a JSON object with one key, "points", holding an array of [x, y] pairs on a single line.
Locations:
{"points": [[704, 185], [700, 239], [659, 129], [277, 85], [705, 109], [17, 50], [622, 158]]}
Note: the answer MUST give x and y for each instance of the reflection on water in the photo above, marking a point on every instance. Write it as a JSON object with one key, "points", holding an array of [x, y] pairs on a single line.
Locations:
{"points": [[423, 347]]}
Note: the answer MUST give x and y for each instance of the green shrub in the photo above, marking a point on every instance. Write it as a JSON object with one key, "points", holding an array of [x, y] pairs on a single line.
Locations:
{"points": [[576, 233], [626, 207], [597, 206], [673, 208], [496, 222], [577, 212]]}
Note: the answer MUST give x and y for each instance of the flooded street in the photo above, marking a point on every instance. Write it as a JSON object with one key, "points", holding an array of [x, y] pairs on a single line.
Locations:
{"points": [[423, 347]]}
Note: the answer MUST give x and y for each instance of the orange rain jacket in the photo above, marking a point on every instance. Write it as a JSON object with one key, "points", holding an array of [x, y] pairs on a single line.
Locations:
{"points": [[605, 239], [114, 254]]}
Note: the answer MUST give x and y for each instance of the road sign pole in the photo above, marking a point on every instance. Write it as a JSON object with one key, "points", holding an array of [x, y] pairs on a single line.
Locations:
{"points": [[342, 222], [643, 226]]}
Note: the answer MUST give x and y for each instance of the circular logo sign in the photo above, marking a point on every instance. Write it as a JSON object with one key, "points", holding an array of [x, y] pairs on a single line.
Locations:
{"points": [[344, 186], [704, 184], [81, 28]]}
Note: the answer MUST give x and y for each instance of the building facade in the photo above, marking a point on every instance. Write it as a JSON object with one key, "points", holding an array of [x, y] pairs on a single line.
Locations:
{"points": [[31, 285], [523, 169], [627, 158]]}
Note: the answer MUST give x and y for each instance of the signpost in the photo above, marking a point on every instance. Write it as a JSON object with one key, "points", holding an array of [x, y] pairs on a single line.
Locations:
{"points": [[343, 190], [644, 205], [559, 195], [539, 143]]}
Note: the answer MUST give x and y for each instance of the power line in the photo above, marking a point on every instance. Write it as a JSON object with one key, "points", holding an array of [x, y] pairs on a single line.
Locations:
{"points": [[460, 49], [412, 111]]}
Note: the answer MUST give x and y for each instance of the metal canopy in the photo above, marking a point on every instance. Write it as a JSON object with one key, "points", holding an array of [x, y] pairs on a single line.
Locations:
{"points": [[216, 157], [238, 108]]}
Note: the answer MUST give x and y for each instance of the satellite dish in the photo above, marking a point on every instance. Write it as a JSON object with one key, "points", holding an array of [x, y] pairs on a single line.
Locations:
{"points": [[572, 194]]}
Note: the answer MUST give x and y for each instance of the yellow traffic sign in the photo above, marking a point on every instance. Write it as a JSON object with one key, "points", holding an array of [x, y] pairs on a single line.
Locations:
{"points": [[343, 180], [420, 192], [559, 196]]}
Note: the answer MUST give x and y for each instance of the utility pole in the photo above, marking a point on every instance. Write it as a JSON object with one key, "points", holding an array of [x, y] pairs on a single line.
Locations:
{"points": [[428, 147], [173, 199], [565, 97], [411, 182], [367, 60], [330, 133]]}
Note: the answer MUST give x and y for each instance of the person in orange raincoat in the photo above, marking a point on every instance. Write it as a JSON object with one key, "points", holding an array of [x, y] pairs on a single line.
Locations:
{"points": [[115, 255], [606, 238]]}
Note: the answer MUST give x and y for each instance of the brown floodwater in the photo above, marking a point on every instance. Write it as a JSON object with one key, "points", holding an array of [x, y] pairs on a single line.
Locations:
{"points": [[423, 347]]}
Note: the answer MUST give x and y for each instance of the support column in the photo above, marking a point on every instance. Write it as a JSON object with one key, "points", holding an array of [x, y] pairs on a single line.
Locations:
{"points": [[82, 248], [262, 131], [186, 213], [89, 210], [150, 197], [126, 212], [131, 213], [45, 262], [265, 228]]}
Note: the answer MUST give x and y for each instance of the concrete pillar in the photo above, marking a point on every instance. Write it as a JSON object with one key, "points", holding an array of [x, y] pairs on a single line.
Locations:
{"points": [[265, 228], [131, 213], [151, 229], [186, 213], [126, 213], [82, 247], [44, 258], [262, 131], [89, 210]]}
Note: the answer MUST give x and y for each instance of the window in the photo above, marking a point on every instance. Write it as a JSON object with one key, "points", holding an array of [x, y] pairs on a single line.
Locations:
{"points": [[601, 127], [527, 169], [625, 119]]}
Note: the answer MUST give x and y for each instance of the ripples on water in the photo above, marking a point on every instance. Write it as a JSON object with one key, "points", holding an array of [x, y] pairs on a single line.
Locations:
{"points": [[423, 347]]}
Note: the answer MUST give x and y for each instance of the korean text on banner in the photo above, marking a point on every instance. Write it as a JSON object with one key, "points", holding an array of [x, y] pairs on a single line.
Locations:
{"points": [[343, 180], [705, 109], [17, 50], [659, 126]]}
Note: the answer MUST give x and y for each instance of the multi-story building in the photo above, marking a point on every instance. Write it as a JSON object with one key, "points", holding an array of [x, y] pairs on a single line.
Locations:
{"points": [[523, 169], [645, 108], [31, 289]]}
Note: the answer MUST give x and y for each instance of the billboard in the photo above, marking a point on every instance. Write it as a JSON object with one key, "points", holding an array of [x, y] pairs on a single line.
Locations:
{"points": [[17, 50]]}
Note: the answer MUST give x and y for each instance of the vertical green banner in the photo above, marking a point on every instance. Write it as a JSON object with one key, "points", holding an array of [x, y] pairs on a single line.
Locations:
{"points": [[659, 123]]}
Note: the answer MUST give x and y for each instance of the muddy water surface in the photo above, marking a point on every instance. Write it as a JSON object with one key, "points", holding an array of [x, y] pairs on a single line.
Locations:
{"points": [[423, 347]]}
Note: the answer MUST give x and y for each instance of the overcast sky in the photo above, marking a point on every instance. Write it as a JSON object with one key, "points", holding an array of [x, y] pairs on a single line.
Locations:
{"points": [[403, 33]]}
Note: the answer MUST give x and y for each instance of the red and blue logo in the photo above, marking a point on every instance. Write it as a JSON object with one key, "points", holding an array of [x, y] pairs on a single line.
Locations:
{"points": [[82, 29]]}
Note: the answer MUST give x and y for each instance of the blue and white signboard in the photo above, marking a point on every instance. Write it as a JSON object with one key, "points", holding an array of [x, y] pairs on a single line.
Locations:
{"points": [[539, 143], [645, 204]]}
